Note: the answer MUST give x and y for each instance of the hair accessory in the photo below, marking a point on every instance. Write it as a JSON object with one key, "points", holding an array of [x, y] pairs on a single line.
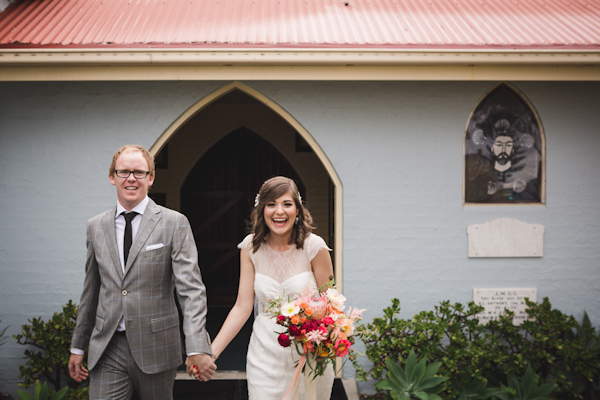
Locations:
{"points": [[296, 223], [299, 197], [256, 199]]}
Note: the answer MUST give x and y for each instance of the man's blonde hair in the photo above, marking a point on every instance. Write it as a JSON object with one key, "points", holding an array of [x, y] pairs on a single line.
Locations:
{"points": [[134, 147]]}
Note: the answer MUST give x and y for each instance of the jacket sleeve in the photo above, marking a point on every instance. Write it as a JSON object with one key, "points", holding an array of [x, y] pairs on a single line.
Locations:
{"points": [[86, 317], [190, 289]]}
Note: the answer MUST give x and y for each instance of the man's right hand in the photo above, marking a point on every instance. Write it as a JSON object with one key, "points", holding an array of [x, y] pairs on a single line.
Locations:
{"points": [[76, 369]]}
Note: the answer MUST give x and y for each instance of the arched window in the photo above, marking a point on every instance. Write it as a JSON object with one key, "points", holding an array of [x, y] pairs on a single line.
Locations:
{"points": [[504, 151]]}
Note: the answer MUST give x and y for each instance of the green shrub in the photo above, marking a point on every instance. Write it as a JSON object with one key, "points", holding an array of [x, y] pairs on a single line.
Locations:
{"points": [[417, 381], [526, 389], [558, 349], [49, 359], [41, 392]]}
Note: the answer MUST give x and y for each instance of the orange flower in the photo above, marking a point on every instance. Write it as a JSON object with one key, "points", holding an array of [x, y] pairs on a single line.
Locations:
{"points": [[295, 319], [304, 305], [323, 352], [308, 312], [303, 319]]}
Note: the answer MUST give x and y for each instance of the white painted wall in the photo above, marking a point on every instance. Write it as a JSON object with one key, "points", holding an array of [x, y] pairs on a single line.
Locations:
{"points": [[397, 147]]}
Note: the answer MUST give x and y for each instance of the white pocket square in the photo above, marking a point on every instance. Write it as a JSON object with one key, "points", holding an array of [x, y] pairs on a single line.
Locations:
{"points": [[155, 246]]}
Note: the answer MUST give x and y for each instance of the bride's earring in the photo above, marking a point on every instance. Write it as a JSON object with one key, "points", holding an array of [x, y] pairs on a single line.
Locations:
{"points": [[296, 223]]}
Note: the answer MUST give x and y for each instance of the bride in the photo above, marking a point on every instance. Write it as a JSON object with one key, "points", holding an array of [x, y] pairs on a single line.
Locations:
{"points": [[280, 256]]}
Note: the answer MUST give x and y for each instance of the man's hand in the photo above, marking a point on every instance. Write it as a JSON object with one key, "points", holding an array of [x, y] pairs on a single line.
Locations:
{"points": [[76, 369], [200, 366]]}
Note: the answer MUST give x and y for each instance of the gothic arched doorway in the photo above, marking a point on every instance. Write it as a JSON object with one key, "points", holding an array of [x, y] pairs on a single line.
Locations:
{"points": [[217, 197]]}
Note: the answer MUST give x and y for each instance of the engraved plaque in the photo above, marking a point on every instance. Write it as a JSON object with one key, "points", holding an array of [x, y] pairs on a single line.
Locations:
{"points": [[496, 301]]}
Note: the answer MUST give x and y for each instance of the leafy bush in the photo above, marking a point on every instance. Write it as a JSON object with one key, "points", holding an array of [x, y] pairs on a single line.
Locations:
{"points": [[558, 349], [49, 361], [418, 380], [43, 393], [527, 389]]}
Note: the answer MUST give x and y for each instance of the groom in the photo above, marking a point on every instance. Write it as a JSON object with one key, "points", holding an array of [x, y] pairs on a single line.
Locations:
{"points": [[138, 255]]}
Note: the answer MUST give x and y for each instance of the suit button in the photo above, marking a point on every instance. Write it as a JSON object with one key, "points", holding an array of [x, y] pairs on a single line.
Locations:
{"points": [[124, 292]]}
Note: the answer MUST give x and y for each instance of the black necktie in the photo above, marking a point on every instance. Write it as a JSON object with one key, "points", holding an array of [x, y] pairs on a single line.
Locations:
{"points": [[128, 238]]}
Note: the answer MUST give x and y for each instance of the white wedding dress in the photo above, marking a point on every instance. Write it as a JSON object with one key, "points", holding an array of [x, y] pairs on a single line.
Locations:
{"points": [[269, 366]]}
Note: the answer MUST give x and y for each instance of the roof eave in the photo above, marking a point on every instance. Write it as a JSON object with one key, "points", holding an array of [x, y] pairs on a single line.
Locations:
{"points": [[281, 63], [52, 56]]}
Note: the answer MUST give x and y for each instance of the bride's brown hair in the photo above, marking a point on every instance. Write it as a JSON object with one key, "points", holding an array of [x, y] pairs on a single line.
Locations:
{"points": [[270, 191]]}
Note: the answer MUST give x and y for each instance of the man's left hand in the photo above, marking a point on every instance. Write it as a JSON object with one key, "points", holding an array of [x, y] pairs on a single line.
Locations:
{"points": [[200, 366]]}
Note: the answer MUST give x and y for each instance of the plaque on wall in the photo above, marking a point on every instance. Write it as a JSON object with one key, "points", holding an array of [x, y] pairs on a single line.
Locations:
{"points": [[496, 301], [505, 237]]}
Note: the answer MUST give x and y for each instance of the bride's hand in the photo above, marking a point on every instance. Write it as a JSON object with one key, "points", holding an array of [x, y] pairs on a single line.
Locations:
{"points": [[191, 369]]}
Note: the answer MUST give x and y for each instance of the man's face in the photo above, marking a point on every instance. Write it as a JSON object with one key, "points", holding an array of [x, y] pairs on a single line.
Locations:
{"points": [[502, 149], [130, 191]]}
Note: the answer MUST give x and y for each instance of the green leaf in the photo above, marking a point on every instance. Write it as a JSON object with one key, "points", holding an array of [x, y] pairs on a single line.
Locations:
{"points": [[422, 395], [385, 384], [419, 372], [396, 374], [431, 382], [61, 394], [411, 363], [24, 395]]}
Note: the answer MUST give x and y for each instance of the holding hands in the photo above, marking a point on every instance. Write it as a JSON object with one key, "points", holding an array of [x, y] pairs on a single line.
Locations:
{"points": [[200, 366]]}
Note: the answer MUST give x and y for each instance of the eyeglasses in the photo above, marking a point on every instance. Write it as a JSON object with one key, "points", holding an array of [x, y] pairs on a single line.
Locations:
{"points": [[124, 173]]}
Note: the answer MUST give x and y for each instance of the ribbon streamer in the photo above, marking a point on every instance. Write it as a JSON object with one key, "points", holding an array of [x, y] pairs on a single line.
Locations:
{"points": [[292, 391]]}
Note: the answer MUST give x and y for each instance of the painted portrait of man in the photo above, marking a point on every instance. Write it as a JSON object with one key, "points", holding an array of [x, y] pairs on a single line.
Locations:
{"points": [[503, 151]]}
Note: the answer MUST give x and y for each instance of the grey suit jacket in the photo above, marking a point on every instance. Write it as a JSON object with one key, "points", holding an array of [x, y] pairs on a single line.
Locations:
{"points": [[163, 259]]}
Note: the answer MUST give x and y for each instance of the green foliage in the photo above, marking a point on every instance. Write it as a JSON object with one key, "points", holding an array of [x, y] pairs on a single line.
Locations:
{"points": [[472, 389], [527, 389], [81, 393], [416, 381], [49, 358], [43, 393], [558, 349]]}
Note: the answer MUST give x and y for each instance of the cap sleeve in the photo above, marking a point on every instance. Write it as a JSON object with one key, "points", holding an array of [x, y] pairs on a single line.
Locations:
{"points": [[246, 243], [313, 244]]}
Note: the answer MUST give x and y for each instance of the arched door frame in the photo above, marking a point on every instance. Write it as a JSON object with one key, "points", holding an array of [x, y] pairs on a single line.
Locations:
{"points": [[337, 184]]}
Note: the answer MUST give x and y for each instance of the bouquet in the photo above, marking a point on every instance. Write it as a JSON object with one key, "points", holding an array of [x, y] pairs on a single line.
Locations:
{"points": [[316, 325]]}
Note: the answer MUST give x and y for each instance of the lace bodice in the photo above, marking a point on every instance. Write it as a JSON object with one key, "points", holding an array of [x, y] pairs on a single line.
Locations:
{"points": [[280, 266], [270, 368]]}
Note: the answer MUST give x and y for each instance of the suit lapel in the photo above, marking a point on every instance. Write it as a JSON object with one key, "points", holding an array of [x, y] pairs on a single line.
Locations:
{"points": [[108, 225], [149, 220]]}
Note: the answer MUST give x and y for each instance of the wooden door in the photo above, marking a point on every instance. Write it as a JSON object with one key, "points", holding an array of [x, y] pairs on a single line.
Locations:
{"points": [[217, 197]]}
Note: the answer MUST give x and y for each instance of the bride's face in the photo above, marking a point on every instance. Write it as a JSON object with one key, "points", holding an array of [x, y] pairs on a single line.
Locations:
{"points": [[280, 215]]}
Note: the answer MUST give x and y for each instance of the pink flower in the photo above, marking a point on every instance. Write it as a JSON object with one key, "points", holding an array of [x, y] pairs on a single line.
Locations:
{"points": [[316, 336], [328, 321], [284, 340], [342, 346], [319, 307], [280, 319]]}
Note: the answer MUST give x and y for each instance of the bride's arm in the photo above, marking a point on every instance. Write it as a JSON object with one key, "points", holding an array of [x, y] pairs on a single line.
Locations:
{"points": [[322, 267], [241, 309]]}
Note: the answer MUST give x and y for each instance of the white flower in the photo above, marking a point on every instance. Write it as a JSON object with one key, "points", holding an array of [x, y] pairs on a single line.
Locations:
{"points": [[289, 310], [256, 199], [336, 299]]}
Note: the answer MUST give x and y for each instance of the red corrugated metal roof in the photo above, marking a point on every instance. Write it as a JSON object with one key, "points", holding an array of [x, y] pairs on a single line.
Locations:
{"points": [[568, 24]]}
